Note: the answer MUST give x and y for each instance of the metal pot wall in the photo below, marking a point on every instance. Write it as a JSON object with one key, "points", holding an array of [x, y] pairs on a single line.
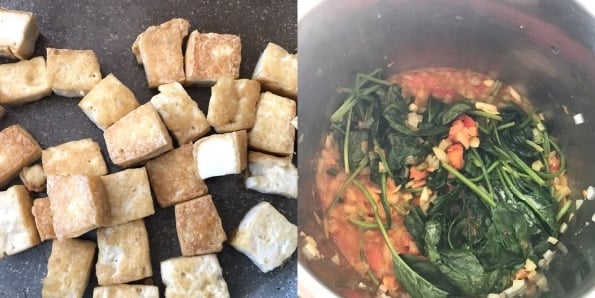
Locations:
{"points": [[544, 48]]}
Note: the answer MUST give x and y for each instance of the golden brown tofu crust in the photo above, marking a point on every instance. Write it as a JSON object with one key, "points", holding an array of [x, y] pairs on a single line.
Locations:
{"points": [[43, 218], [273, 131], [211, 55], [199, 227], [79, 204], [69, 268], [137, 137], [19, 149], [174, 178], [129, 243], [159, 49]]}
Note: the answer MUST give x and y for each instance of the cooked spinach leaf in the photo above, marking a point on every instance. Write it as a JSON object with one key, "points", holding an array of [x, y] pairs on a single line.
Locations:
{"points": [[454, 111], [487, 217]]}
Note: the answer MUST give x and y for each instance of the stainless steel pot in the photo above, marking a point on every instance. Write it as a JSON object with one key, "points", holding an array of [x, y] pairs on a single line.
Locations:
{"points": [[544, 48]]}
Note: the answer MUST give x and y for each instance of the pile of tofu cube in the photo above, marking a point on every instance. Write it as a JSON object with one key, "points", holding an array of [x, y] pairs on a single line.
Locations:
{"points": [[163, 145]]}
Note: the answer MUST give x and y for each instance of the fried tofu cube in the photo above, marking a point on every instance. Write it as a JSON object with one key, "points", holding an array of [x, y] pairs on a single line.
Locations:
{"points": [[69, 268], [277, 71], [24, 81], [19, 149], [174, 177], [17, 226], [221, 154], [43, 218], [75, 157], [72, 73], [123, 253], [137, 137], [272, 174], [33, 177], [129, 196], [180, 113], [159, 49], [18, 33], [79, 204], [128, 291], [199, 227], [199, 276], [266, 237], [108, 102], [273, 131], [233, 104], [210, 56]]}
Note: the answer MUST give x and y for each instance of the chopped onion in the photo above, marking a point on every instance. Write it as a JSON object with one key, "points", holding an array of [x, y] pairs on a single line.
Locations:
{"points": [[486, 107], [517, 289], [547, 258], [590, 193], [515, 95], [414, 119], [440, 154], [537, 165], [412, 107], [563, 228], [579, 203], [579, 119], [335, 259]]}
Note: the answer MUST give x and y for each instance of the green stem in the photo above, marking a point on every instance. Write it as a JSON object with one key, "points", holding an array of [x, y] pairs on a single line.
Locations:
{"points": [[534, 145], [377, 217], [344, 108], [384, 200], [354, 96], [486, 197], [382, 154], [373, 79], [519, 163], [505, 125], [361, 166], [362, 256], [346, 143], [546, 154], [489, 171], [363, 224], [563, 211], [484, 114], [485, 173]]}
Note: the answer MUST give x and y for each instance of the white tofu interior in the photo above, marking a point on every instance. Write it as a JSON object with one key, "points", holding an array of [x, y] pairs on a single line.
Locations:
{"points": [[266, 237], [18, 33]]}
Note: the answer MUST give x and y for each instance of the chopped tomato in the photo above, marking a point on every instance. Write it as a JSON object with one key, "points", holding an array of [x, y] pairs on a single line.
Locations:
{"points": [[354, 293], [467, 121], [443, 92], [554, 162], [455, 155], [462, 130], [374, 256], [390, 282], [416, 174]]}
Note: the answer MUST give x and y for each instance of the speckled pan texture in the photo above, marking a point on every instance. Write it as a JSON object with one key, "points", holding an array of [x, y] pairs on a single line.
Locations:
{"points": [[109, 28]]}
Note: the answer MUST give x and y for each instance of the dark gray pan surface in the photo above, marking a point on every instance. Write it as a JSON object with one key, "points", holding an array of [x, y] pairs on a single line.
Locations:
{"points": [[109, 28]]}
